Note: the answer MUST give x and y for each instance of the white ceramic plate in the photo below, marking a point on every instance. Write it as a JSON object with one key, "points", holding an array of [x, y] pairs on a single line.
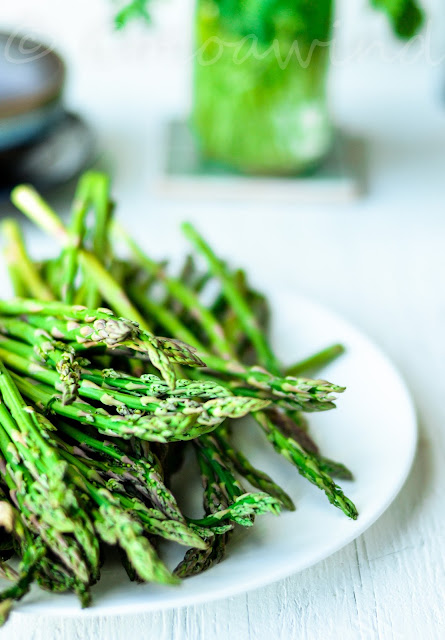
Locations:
{"points": [[376, 410]]}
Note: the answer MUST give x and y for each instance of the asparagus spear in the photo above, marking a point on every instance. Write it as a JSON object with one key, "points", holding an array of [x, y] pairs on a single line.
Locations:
{"points": [[48, 573], [293, 428], [115, 526], [31, 204], [46, 348], [257, 478], [153, 521], [196, 562], [247, 321], [242, 509], [306, 464], [27, 570], [215, 499], [47, 504], [316, 361], [103, 207], [143, 471], [24, 274], [69, 259], [152, 385]]}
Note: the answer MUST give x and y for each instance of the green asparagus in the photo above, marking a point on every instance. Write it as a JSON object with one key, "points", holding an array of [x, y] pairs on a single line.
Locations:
{"points": [[91, 436]]}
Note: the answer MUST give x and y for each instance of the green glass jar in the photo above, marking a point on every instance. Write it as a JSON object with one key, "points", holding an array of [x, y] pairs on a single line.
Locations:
{"points": [[260, 84]]}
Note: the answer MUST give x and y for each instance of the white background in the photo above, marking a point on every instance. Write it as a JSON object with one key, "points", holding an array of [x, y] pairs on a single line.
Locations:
{"points": [[378, 261]]}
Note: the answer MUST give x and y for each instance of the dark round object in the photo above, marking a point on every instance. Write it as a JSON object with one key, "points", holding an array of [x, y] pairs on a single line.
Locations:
{"points": [[32, 77], [50, 161]]}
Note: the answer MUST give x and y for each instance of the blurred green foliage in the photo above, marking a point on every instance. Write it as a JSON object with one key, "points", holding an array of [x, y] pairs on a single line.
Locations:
{"points": [[137, 9], [310, 19], [268, 19], [405, 16]]}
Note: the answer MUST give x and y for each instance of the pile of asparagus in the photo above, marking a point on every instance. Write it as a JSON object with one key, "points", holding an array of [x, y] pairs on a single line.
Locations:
{"points": [[96, 410]]}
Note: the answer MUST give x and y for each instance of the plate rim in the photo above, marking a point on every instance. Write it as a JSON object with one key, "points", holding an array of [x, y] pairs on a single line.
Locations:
{"points": [[283, 571]]}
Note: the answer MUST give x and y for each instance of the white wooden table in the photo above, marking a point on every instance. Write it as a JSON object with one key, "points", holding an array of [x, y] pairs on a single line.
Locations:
{"points": [[380, 262]]}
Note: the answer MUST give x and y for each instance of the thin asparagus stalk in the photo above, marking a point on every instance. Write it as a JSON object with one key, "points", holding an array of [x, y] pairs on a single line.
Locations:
{"points": [[306, 464], [49, 271], [152, 385], [20, 263], [47, 349], [306, 394], [242, 509], [260, 310], [220, 466], [197, 283], [188, 298], [111, 328], [292, 427], [216, 498], [247, 321], [70, 255], [19, 287], [186, 277], [103, 207], [316, 361], [254, 476]]}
